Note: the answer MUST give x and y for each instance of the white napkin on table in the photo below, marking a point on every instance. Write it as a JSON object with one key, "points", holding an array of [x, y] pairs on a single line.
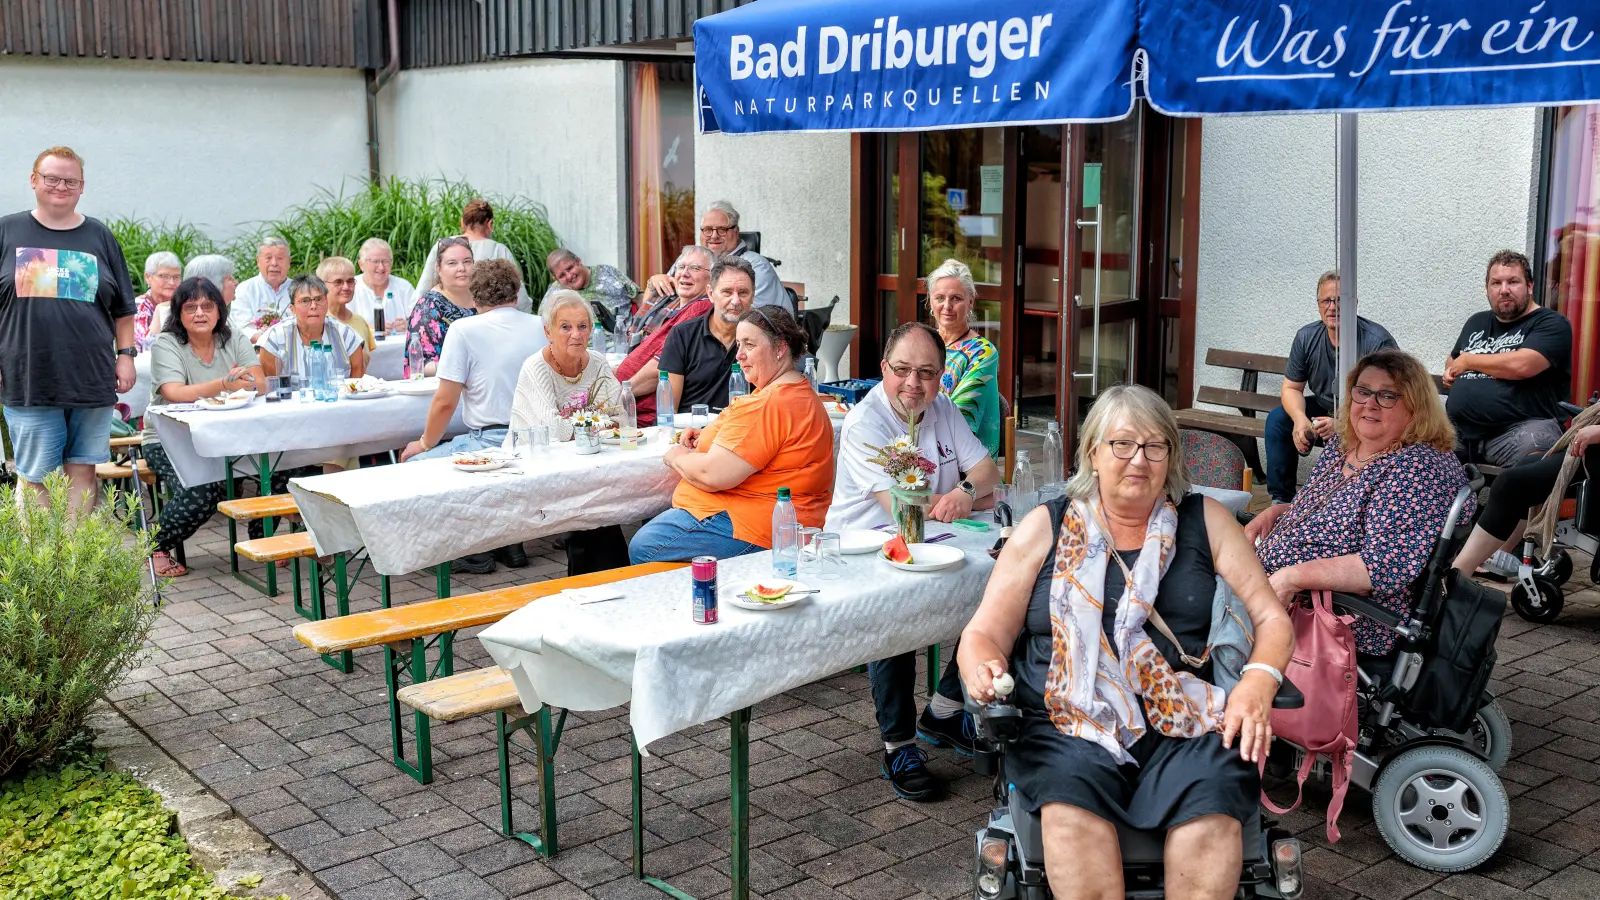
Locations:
{"points": [[595, 594]]}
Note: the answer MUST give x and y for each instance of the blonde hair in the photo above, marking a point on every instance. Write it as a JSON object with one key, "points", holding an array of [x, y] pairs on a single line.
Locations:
{"points": [[1418, 392], [334, 264], [1140, 407], [960, 271]]}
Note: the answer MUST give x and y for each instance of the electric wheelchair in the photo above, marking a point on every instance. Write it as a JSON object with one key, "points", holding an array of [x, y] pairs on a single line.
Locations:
{"points": [[1435, 796]]}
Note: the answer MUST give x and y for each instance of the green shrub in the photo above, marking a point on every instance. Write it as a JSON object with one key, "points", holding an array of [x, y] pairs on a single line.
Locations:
{"points": [[69, 829], [141, 237], [74, 612]]}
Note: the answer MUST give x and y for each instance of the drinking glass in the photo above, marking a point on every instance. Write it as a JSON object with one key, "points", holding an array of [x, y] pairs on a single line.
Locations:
{"points": [[300, 388], [827, 559], [699, 415], [807, 564], [272, 388], [539, 439], [522, 442]]}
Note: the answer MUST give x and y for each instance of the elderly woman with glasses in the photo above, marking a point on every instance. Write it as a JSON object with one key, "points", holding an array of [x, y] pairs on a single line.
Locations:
{"points": [[284, 347], [971, 362], [776, 441], [196, 355], [1368, 516], [162, 272], [1100, 608], [339, 274], [445, 302], [380, 289]]}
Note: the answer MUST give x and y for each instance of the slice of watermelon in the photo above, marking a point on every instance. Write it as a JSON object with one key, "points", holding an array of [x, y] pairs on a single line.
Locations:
{"points": [[764, 594], [897, 550]]}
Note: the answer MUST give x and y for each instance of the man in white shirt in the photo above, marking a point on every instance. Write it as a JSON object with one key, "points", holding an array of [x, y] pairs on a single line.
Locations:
{"points": [[965, 475], [379, 288], [478, 368], [266, 292], [477, 224]]}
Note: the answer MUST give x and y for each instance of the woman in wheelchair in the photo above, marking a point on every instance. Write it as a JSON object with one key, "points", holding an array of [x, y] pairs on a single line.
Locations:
{"points": [[1371, 511], [1101, 606], [1525, 486]]}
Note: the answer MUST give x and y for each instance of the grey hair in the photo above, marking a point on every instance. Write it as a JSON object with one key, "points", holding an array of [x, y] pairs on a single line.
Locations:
{"points": [[559, 256], [559, 301], [161, 259], [726, 208], [1330, 275], [306, 283], [954, 268], [374, 243], [698, 250], [213, 267], [272, 240], [1135, 405], [728, 263]]}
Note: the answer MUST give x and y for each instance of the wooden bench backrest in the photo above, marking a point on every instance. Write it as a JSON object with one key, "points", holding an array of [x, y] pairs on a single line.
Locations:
{"points": [[1249, 362]]}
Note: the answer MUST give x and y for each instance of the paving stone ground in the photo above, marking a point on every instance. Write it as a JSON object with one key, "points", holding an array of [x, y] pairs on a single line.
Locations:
{"points": [[303, 753]]}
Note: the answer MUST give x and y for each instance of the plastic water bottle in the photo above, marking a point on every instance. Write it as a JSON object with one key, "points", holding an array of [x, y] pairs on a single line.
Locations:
{"points": [[315, 362], [380, 317], [1024, 491], [331, 382], [810, 370], [666, 406], [785, 537], [737, 385], [597, 339], [627, 417], [1054, 455], [413, 357]]}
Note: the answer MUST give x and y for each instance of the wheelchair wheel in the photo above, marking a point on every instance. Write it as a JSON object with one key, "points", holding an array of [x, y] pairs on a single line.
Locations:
{"points": [[1561, 572], [1541, 609], [1441, 808], [1489, 734]]}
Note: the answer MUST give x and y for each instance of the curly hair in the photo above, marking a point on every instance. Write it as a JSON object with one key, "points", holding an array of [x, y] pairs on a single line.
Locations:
{"points": [[495, 282]]}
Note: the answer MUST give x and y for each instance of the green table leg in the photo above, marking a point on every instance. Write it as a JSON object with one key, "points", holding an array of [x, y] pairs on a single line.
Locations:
{"points": [[229, 493], [383, 590], [933, 670], [739, 809], [395, 664], [545, 744], [264, 487]]}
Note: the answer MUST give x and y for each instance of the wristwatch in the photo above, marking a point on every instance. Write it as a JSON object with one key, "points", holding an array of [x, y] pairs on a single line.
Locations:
{"points": [[967, 486], [127, 351]]}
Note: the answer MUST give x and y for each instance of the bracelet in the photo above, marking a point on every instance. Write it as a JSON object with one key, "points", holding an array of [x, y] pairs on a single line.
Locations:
{"points": [[1263, 667]]}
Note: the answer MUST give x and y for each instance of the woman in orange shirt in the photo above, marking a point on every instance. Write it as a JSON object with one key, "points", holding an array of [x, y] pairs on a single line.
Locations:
{"points": [[778, 436]]}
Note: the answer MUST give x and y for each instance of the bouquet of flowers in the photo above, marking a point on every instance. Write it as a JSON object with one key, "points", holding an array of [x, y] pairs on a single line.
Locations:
{"points": [[267, 319], [583, 410], [912, 472]]}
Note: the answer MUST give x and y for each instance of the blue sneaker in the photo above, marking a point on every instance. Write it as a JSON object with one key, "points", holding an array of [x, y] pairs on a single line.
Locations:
{"points": [[907, 770], [956, 732]]}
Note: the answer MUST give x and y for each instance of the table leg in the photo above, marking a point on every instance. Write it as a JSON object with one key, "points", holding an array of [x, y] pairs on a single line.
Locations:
{"points": [[933, 670], [395, 664], [545, 744], [739, 810], [264, 488], [441, 580], [229, 493]]}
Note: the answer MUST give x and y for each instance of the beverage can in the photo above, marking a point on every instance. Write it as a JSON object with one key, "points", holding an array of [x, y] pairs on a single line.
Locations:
{"points": [[704, 571]]}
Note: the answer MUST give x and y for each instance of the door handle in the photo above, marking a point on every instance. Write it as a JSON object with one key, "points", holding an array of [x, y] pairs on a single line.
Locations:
{"points": [[1094, 339]]}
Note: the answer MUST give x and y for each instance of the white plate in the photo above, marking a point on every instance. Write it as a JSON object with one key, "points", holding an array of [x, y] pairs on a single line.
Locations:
{"points": [[416, 387], [862, 540], [738, 598], [363, 395], [238, 403], [837, 413], [489, 466], [928, 558]]}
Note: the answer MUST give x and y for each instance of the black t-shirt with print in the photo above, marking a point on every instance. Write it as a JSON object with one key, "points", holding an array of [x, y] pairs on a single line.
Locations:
{"points": [[60, 291], [1482, 406]]}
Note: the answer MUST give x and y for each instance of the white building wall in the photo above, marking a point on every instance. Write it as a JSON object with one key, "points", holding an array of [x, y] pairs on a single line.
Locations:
{"points": [[795, 190], [1440, 192], [551, 130], [219, 146]]}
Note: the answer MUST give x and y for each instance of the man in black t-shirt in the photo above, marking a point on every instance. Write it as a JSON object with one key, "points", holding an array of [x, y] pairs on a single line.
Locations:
{"points": [[699, 354], [1509, 371], [1310, 383], [66, 330]]}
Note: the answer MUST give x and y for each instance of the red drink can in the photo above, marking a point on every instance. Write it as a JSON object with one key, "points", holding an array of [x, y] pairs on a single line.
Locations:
{"points": [[704, 571]]}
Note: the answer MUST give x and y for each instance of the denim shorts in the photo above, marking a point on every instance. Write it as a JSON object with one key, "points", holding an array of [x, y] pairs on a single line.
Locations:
{"points": [[45, 437]]}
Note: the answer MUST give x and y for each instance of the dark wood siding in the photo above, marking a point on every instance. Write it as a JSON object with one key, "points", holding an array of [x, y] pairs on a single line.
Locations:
{"points": [[346, 34], [440, 33]]}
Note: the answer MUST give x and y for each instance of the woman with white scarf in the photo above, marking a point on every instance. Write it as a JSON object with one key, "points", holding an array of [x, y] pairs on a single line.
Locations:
{"points": [[1100, 610]]}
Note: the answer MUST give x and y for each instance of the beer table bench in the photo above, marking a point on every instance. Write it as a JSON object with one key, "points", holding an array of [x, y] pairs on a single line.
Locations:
{"points": [[644, 649]]}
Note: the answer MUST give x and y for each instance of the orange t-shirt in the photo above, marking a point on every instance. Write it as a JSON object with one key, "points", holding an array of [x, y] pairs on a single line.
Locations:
{"points": [[784, 432]]}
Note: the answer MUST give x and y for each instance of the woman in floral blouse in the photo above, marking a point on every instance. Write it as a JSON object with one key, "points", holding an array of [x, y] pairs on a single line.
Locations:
{"points": [[449, 300], [971, 362], [1369, 515]]}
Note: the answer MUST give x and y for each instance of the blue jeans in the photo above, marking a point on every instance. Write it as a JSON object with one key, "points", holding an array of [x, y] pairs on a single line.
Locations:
{"points": [[1283, 460], [677, 536], [476, 439], [46, 437], [894, 693]]}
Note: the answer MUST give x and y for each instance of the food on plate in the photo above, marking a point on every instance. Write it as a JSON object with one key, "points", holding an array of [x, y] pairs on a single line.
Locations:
{"points": [[897, 550], [616, 432], [474, 459], [763, 594], [366, 384]]}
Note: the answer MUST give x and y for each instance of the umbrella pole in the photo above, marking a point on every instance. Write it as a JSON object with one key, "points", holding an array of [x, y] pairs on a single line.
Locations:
{"points": [[1345, 206]]}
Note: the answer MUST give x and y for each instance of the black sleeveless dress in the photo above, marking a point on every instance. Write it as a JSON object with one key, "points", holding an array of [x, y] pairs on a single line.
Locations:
{"points": [[1176, 779]]}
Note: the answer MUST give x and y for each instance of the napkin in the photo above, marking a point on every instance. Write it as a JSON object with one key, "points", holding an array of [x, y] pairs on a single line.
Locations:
{"points": [[596, 594]]}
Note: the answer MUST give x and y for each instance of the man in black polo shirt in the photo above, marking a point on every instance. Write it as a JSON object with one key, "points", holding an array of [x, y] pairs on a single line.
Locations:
{"points": [[699, 354]]}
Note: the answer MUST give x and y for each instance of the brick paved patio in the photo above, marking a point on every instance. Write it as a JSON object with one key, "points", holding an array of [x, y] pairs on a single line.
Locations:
{"points": [[303, 753]]}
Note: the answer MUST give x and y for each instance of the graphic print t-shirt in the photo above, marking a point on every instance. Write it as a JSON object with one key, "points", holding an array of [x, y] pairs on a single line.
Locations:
{"points": [[60, 291], [1482, 406]]}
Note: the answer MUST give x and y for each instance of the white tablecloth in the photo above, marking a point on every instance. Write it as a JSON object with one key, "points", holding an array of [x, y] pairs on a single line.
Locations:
{"points": [[295, 433], [138, 396], [646, 648], [388, 358]]}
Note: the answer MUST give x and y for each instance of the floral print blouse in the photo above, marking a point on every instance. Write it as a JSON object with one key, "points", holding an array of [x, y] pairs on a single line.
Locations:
{"points": [[430, 321], [972, 382], [144, 320], [1389, 514]]}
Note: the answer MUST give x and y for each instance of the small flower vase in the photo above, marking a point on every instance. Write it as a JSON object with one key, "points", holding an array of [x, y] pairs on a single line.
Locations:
{"points": [[910, 511], [586, 439]]}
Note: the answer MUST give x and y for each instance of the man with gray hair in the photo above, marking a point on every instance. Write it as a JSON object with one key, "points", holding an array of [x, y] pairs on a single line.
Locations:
{"points": [[262, 301], [719, 233]]}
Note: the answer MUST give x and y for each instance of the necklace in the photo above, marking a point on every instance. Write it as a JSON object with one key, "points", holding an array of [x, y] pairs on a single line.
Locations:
{"points": [[1360, 462], [556, 366], [964, 334]]}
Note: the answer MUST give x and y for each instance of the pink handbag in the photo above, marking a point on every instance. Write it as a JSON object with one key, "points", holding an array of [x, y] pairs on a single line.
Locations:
{"points": [[1323, 667]]}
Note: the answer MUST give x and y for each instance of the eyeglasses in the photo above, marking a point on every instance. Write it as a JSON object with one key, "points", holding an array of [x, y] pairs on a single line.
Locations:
{"points": [[335, 282], [1386, 399], [56, 181], [693, 267], [714, 230], [165, 279], [198, 306], [312, 302], [1154, 451], [921, 373], [1328, 301]]}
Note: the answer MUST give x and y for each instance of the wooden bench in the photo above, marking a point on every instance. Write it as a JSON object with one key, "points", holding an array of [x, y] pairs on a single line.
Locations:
{"points": [[292, 547], [490, 690], [406, 633], [250, 509]]}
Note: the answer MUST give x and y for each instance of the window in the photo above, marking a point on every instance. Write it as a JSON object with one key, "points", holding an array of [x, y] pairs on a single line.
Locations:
{"points": [[660, 164], [1567, 276]]}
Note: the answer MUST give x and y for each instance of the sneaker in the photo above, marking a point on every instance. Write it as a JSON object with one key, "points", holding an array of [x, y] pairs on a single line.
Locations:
{"points": [[1501, 566], [907, 770], [474, 564], [956, 732]]}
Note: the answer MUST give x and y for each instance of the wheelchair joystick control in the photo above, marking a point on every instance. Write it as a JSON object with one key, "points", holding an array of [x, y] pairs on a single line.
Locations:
{"points": [[1004, 684]]}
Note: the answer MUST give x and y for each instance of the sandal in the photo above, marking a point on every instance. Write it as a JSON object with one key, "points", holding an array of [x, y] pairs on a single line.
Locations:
{"points": [[166, 566]]}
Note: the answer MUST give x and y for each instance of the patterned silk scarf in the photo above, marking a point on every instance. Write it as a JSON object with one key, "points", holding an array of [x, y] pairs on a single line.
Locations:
{"points": [[1093, 682]]}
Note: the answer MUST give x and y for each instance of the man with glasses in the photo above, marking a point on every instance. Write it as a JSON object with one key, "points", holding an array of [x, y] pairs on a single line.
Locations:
{"points": [[964, 476], [66, 331], [640, 370], [719, 233], [1305, 418]]}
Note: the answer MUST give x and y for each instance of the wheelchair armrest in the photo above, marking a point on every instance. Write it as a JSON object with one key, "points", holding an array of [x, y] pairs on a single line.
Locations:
{"points": [[1364, 607], [1571, 409], [1289, 696]]}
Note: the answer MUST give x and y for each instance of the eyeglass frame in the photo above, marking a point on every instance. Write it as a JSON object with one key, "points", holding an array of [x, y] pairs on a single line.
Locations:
{"points": [[1375, 396], [716, 230], [914, 371], [1141, 448], [55, 181]]}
